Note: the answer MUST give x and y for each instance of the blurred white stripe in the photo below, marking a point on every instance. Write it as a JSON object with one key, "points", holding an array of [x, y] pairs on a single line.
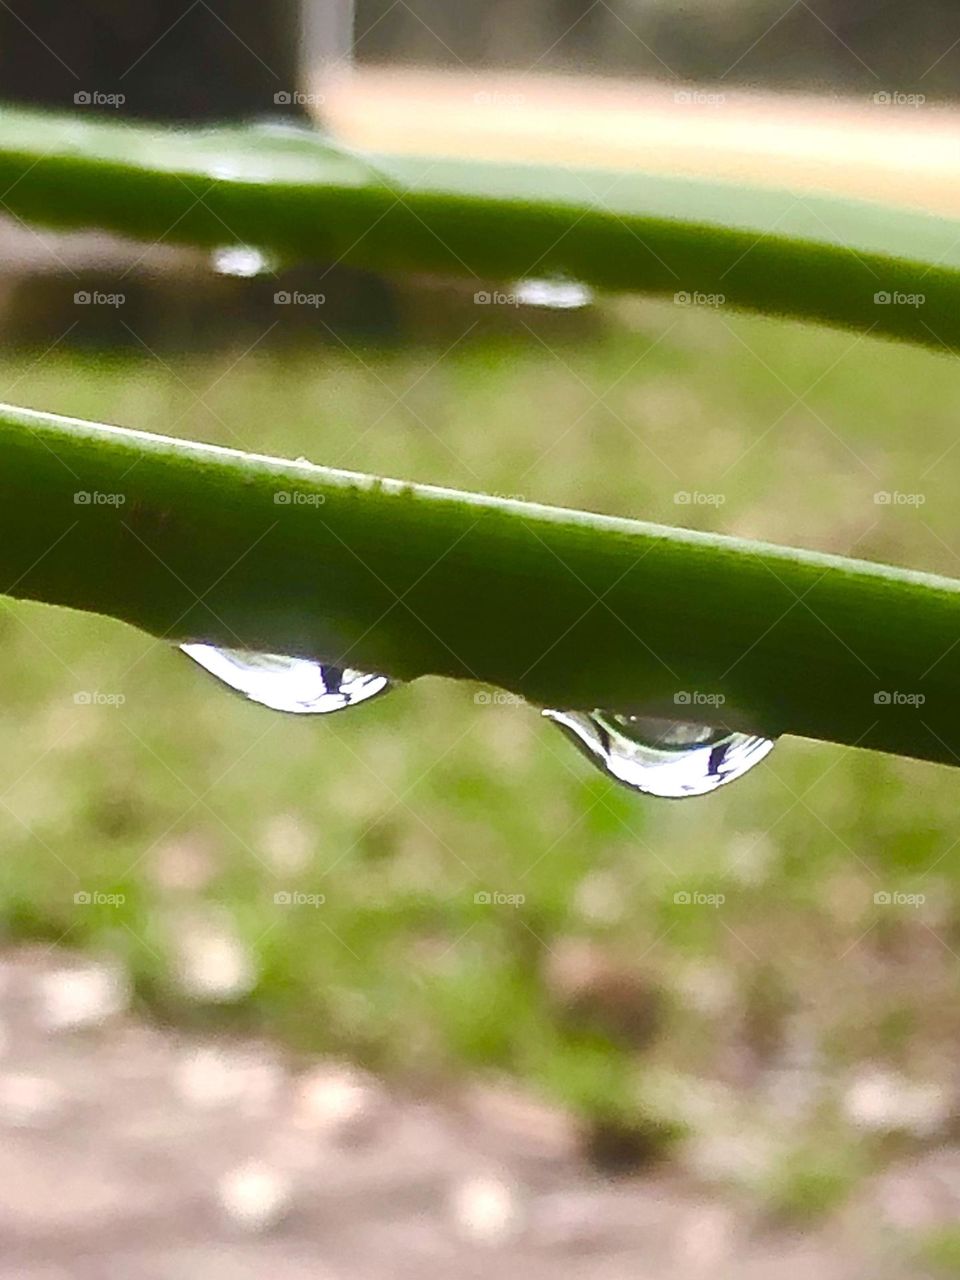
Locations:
{"points": [[327, 31]]}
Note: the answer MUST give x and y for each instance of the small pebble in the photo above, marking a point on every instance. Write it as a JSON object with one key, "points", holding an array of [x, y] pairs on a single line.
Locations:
{"points": [[338, 1100], [28, 1102], [213, 965], [885, 1101], [255, 1196], [485, 1210], [82, 997], [209, 1076]]}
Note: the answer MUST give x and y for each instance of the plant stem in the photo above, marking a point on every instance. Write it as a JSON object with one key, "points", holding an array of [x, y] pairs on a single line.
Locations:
{"points": [[565, 608], [293, 190]]}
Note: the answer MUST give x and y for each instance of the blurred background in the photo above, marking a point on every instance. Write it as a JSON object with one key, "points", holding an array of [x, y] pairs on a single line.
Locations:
{"points": [[413, 988]]}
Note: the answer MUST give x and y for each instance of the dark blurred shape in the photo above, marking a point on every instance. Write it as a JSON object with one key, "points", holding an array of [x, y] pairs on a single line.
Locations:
{"points": [[618, 1147], [767, 1003], [599, 994], [173, 60], [845, 46], [189, 308]]}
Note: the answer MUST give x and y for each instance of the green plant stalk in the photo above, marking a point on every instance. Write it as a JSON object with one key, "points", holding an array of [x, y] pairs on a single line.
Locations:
{"points": [[293, 190], [565, 608]]}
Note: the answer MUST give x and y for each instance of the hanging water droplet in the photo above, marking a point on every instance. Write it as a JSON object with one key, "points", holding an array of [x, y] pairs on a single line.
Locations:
{"points": [[671, 758], [243, 260], [287, 684], [555, 292]]}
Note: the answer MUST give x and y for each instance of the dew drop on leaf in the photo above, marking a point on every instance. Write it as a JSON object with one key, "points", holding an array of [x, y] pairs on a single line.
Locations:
{"points": [[243, 260], [557, 293], [671, 758], [282, 683]]}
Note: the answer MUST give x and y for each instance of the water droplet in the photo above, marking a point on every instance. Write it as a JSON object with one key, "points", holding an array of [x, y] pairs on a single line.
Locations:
{"points": [[287, 684], [558, 293], [672, 758], [243, 260]]}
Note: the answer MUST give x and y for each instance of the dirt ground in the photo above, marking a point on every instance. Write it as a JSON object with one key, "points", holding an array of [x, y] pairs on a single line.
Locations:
{"points": [[130, 1150]]}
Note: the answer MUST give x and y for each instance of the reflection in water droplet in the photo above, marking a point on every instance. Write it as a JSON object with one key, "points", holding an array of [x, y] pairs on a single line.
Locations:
{"points": [[287, 684], [662, 757], [557, 293], [242, 260]]}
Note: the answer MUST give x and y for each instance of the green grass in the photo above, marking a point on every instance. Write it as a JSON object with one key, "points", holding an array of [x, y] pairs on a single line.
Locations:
{"points": [[940, 1251], [401, 812]]}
